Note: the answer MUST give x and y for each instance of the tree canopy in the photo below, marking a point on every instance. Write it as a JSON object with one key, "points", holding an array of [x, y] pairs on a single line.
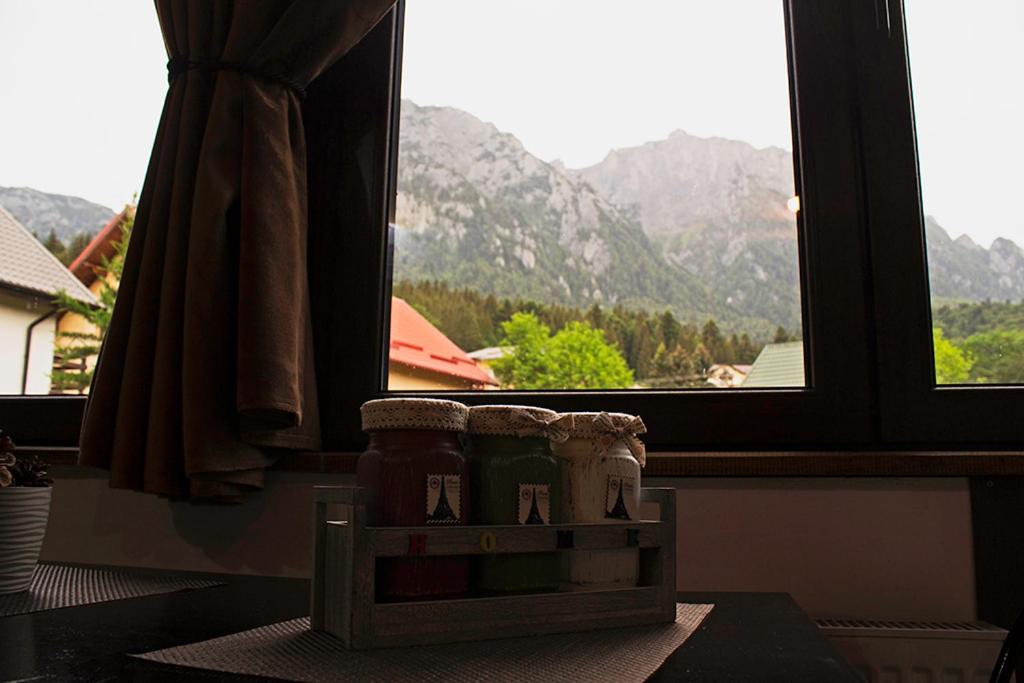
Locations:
{"points": [[576, 357], [952, 365]]}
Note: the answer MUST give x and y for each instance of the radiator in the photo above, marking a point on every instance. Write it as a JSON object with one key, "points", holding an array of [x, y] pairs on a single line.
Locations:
{"points": [[917, 652]]}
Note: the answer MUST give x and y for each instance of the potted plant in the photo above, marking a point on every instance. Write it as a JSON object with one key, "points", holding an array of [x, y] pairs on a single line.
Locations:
{"points": [[24, 511]]}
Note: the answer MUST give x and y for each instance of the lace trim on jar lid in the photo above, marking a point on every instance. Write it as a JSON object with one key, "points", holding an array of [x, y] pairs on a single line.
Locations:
{"points": [[414, 413], [609, 428], [518, 421]]}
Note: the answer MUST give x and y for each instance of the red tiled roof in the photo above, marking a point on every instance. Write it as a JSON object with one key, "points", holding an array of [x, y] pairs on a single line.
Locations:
{"points": [[102, 245], [418, 344]]}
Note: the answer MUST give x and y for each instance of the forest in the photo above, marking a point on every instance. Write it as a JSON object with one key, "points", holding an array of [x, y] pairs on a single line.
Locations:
{"points": [[659, 349], [988, 340], [976, 342]]}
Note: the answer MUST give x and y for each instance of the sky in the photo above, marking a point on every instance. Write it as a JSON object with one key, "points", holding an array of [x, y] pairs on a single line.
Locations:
{"points": [[83, 84]]}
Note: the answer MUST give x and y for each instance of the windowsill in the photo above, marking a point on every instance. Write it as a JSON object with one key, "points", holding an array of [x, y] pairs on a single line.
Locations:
{"points": [[721, 464]]}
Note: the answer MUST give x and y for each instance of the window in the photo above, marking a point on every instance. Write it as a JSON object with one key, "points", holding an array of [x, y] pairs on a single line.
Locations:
{"points": [[828, 380], [859, 304], [968, 140], [85, 95], [905, 167], [566, 221], [78, 130]]}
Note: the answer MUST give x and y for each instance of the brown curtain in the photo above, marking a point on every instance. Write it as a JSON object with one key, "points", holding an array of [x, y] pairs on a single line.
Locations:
{"points": [[206, 372]]}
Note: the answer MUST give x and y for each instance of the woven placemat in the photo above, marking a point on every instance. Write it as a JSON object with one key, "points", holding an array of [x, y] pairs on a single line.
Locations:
{"points": [[55, 586], [290, 651]]}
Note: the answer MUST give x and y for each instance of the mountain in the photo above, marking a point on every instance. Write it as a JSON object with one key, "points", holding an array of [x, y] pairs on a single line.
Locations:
{"points": [[42, 212], [716, 208], [961, 269], [476, 209]]}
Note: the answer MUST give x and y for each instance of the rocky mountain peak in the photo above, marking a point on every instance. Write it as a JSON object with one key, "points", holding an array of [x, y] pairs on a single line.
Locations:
{"points": [[966, 242], [683, 181], [42, 212]]}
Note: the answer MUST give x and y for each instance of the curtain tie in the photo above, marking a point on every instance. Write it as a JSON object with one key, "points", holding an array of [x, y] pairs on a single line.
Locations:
{"points": [[178, 65]]}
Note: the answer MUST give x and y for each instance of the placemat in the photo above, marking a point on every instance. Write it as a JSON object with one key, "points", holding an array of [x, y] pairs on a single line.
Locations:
{"points": [[56, 585], [290, 651]]}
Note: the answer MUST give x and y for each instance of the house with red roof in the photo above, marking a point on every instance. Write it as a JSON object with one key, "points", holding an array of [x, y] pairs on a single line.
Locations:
{"points": [[422, 358], [88, 268], [102, 246]]}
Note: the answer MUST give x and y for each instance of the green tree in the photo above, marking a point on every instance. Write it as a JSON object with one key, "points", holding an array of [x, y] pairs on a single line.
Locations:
{"points": [[577, 357], [998, 356], [714, 342], [425, 312], [746, 350], [56, 247], [952, 365], [75, 348], [75, 246], [526, 364], [671, 330], [677, 363], [581, 358], [702, 360]]}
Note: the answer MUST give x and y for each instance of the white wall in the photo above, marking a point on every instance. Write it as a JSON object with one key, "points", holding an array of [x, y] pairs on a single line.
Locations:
{"points": [[16, 313], [859, 548]]}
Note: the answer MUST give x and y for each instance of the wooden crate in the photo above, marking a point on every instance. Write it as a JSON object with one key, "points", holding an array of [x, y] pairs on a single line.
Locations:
{"points": [[345, 554]]}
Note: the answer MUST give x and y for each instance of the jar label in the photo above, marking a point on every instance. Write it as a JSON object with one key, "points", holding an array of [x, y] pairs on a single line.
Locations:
{"points": [[444, 498], [620, 497], [534, 504]]}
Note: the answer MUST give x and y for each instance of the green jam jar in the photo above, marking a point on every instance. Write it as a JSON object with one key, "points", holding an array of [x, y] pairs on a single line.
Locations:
{"points": [[517, 480]]}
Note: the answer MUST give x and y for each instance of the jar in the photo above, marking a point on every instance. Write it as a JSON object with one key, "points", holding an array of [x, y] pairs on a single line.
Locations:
{"points": [[601, 463], [418, 476], [517, 480]]}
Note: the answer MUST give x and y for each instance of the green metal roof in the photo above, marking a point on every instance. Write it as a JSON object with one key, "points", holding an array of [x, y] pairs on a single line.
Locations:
{"points": [[778, 365]]}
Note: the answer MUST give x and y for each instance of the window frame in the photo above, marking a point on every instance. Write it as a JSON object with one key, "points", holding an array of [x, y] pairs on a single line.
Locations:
{"points": [[836, 408], [872, 384], [914, 410]]}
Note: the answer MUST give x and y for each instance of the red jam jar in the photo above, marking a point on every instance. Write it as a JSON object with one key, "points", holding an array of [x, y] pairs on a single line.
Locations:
{"points": [[417, 475]]}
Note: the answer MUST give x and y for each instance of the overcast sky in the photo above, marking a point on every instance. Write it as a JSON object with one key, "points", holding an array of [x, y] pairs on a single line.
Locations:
{"points": [[83, 83]]}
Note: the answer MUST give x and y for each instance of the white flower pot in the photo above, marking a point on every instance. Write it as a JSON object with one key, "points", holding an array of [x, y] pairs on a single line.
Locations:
{"points": [[24, 512]]}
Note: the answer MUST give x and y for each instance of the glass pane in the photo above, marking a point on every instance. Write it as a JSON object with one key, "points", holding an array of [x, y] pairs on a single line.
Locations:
{"points": [[965, 62], [82, 98], [595, 194]]}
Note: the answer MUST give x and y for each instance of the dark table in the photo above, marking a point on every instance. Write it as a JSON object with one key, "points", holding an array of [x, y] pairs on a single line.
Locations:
{"points": [[747, 637]]}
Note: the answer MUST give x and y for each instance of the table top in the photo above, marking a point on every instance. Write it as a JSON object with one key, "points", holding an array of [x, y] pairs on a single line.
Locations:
{"points": [[747, 637]]}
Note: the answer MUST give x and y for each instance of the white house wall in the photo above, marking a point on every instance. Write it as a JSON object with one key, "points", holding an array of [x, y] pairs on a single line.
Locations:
{"points": [[16, 313]]}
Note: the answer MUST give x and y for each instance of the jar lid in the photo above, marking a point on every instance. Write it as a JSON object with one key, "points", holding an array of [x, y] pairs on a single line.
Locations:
{"points": [[608, 428], [414, 413], [518, 421]]}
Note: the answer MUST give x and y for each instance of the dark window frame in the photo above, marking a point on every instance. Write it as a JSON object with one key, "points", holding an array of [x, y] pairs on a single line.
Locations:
{"points": [[856, 152], [914, 411], [837, 407]]}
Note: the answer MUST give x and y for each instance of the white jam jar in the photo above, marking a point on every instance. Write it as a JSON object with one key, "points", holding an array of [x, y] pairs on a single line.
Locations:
{"points": [[601, 463]]}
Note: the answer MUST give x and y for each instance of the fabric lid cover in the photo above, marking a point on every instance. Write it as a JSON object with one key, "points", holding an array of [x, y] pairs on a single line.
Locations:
{"points": [[518, 421], [609, 428], [414, 413]]}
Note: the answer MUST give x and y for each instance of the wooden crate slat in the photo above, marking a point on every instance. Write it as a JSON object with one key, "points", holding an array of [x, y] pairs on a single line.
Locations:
{"points": [[466, 540], [404, 614]]}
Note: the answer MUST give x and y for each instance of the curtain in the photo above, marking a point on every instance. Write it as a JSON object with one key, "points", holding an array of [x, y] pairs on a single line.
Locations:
{"points": [[206, 372]]}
